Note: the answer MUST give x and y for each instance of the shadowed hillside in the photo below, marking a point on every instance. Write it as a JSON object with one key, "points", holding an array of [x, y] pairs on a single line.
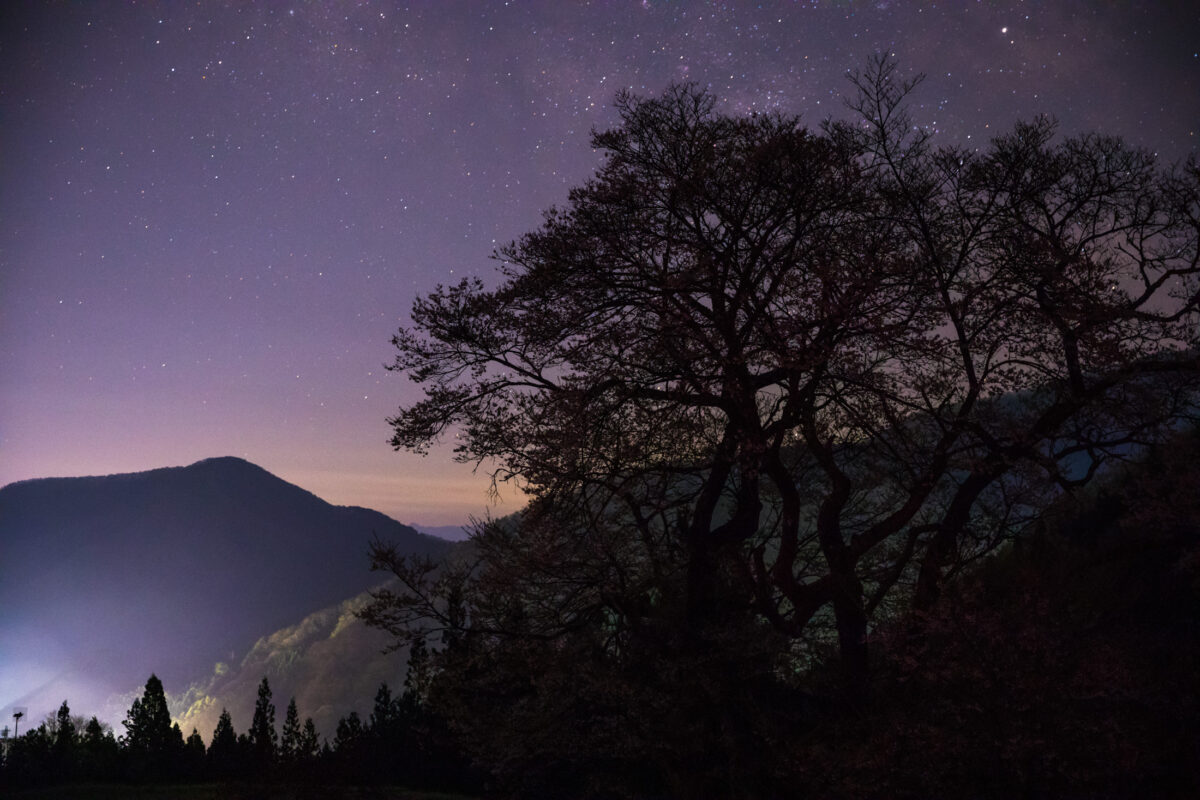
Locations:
{"points": [[105, 579]]}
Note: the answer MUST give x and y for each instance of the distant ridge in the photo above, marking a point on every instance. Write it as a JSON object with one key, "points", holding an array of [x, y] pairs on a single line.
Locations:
{"points": [[105, 579], [453, 533]]}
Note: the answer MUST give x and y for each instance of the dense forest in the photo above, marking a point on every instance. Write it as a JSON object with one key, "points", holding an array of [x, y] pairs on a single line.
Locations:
{"points": [[399, 743], [857, 467]]}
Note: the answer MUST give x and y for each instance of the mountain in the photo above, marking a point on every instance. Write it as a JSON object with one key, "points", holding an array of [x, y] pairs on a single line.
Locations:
{"points": [[330, 662], [453, 533], [104, 580]]}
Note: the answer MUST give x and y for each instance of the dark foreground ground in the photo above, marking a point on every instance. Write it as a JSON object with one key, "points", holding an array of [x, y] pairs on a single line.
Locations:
{"points": [[220, 791]]}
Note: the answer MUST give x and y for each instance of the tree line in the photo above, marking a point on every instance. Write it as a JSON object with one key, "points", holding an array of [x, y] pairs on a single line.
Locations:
{"points": [[399, 743]]}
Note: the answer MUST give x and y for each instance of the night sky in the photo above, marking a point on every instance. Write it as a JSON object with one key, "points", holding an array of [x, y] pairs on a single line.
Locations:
{"points": [[214, 215]]}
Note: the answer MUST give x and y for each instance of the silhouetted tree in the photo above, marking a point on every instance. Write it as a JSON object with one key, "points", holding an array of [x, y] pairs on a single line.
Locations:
{"points": [[289, 742], [309, 747], [152, 745], [431, 756], [245, 756], [417, 677], [30, 758], [65, 730], [66, 742], [194, 756], [224, 756], [351, 749], [385, 731], [1062, 667], [262, 736], [349, 731], [99, 752], [766, 386]]}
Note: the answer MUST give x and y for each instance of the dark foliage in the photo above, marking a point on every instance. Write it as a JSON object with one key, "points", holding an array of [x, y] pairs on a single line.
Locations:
{"points": [[152, 746], [66, 739], [291, 737], [99, 752], [262, 735], [401, 745], [1064, 667], [224, 756], [773, 391]]}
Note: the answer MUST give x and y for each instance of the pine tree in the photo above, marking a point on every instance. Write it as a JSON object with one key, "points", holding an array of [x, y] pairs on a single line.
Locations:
{"points": [[418, 677], [223, 751], [310, 746], [148, 723], [65, 739], [94, 731], [385, 716], [351, 747], [64, 733], [99, 751], [262, 735], [194, 739], [289, 744], [151, 742], [349, 731], [193, 755]]}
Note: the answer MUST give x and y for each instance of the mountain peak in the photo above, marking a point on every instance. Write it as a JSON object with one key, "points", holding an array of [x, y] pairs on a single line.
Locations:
{"points": [[224, 461], [228, 464], [168, 571]]}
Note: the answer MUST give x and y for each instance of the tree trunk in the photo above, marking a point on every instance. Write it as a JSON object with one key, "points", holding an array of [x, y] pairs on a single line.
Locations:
{"points": [[851, 622], [944, 546], [701, 586]]}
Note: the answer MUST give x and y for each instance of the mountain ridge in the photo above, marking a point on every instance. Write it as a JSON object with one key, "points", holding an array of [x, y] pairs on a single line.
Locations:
{"points": [[105, 579]]}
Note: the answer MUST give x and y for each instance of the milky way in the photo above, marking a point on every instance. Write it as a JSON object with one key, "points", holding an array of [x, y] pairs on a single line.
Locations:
{"points": [[213, 216]]}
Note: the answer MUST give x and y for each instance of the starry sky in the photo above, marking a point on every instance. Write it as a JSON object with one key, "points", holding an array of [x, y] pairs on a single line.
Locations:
{"points": [[214, 215]]}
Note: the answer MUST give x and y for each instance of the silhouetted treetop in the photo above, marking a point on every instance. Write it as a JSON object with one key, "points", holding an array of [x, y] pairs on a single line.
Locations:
{"points": [[148, 723], [767, 385], [263, 738], [819, 369]]}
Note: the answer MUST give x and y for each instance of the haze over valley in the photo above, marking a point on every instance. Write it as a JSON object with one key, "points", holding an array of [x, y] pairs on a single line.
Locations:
{"points": [[181, 571]]}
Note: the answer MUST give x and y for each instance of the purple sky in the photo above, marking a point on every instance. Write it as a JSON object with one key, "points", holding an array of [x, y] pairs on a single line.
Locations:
{"points": [[214, 215]]}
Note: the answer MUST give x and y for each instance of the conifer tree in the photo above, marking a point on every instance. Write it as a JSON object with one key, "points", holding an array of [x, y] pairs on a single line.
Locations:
{"points": [[289, 744], [64, 733], [99, 751], [385, 716], [194, 739], [262, 736], [151, 742], [223, 751], [349, 731], [418, 677], [148, 723], [310, 746], [352, 749], [193, 754], [65, 739]]}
